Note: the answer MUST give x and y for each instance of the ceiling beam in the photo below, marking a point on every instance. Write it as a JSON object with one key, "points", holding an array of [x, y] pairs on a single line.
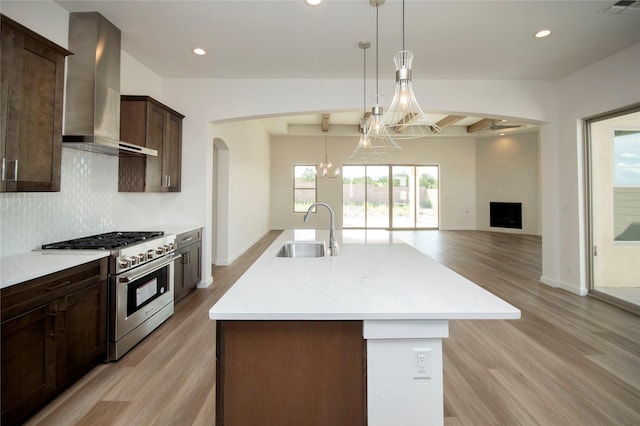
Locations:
{"points": [[325, 122], [449, 120], [482, 124], [405, 121]]}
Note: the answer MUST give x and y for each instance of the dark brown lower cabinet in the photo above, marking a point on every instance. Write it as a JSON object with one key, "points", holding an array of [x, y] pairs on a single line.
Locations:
{"points": [[83, 330], [28, 374], [310, 373], [53, 331], [188, 267]]}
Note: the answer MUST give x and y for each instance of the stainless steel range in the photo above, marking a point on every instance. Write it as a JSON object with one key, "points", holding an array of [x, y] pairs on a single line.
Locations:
{"points": [[140, 290]]}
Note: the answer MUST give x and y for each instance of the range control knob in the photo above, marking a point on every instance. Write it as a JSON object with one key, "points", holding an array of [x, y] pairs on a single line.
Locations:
{"points": [[123, 263], [151, 253], [160, 250], [133, 260]]}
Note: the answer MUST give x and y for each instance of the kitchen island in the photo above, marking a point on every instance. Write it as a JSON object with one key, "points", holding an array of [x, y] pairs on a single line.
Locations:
{"points": [[348, 339]]}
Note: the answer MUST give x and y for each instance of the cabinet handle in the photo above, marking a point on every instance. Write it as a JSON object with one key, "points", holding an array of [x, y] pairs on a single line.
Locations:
{"points": [[4, 169], [184, 240], [57, 286], [169, 180], [64, 319], [52, 317]]}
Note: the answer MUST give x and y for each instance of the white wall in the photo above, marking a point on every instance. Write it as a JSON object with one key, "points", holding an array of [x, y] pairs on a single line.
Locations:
{"points": [[248, 185], [455, 156], [44, 17], [220, 101], [507, 171], [604, 86]]}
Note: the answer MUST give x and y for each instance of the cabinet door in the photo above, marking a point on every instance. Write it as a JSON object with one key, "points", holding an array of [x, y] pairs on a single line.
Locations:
{"points": [[145, 121], [82, 327], [28, 362], [156, 124], [32, 93], [173, 153], [193, 265], [310, 373], [179, 284], [187, 272]]}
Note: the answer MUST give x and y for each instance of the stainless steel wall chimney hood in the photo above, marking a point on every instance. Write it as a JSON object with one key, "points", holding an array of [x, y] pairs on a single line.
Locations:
{"points": [[92, 105]]}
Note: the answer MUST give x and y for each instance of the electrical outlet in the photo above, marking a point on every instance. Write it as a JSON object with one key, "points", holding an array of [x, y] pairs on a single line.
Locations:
{"points": [[422, 358]]}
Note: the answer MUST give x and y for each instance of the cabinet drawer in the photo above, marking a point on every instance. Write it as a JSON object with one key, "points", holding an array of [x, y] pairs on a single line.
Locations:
{"points": [[188, 238], [23, 297]]}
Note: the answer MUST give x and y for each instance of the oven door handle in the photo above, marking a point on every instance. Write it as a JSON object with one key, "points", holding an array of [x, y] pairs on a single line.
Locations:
{"points": [[130, 278]]}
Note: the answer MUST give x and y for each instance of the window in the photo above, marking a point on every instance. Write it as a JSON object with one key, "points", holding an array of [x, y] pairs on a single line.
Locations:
{"points": [[626, 185], [353, 196], [390, 197], [304, 188]]}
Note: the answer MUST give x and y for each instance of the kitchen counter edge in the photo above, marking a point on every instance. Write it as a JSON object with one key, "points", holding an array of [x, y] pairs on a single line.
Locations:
{"points": [[23, 267]]}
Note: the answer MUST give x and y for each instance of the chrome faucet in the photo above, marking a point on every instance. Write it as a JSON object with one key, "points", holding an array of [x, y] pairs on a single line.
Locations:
{"points": [[333, 246]]}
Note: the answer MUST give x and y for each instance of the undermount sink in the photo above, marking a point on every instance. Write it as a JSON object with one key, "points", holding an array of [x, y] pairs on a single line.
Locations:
{"points": [[302, 249]]}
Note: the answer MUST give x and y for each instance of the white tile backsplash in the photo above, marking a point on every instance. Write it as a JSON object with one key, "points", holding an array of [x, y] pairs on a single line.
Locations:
{"points": [[86, 204]]}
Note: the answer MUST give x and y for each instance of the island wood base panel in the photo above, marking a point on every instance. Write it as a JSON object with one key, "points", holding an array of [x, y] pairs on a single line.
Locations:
{"points": [[290, 373]]}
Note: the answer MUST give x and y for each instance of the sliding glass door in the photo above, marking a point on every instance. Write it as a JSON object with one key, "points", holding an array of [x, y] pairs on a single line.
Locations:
{"points": [[390, 197], [613, 150]]}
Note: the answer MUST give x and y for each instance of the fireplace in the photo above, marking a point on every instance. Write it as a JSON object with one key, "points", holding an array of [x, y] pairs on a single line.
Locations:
{"points": [[505, 215]]}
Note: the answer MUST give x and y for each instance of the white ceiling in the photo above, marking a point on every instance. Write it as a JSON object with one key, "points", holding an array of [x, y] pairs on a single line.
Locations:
{"points": [[475, 40]]}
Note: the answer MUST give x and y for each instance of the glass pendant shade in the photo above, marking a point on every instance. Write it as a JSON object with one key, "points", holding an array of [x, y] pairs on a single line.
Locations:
{"points": [[379, 138], [365, 153], [405, 119]]}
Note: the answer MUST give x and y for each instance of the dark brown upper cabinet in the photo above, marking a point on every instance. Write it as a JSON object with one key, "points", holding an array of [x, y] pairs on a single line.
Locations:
{"points": [[145, 121], [31, 94]]}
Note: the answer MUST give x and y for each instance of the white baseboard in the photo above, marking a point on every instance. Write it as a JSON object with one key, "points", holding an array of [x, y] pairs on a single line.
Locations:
{"points": [[564, 286], [458, 228], [205, 283], [230, 260]]}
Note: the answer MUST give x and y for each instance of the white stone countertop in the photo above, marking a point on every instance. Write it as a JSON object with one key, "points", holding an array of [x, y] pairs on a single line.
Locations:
{"points": [[379, 278], [22, 267], [26, 266], [171, 229]]}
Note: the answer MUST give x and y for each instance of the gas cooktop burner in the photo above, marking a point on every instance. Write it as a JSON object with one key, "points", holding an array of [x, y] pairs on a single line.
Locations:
{"points": [[108, 241]]}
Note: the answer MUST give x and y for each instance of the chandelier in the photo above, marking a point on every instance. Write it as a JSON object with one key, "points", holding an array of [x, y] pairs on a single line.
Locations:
{"points": [[326, 168]]}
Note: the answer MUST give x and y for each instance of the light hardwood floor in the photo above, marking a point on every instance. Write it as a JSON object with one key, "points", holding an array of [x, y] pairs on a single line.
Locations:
{"points": [[570, 360]]}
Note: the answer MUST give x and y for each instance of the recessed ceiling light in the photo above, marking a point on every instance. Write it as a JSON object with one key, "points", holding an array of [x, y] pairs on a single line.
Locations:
{"points": [[542, 33], [198, 51], [313, 2]]}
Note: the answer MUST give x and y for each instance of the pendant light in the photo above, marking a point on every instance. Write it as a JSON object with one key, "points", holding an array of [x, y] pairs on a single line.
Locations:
{"points": [[364, 152], [405, 119], [379, 137], [326, 169]]}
